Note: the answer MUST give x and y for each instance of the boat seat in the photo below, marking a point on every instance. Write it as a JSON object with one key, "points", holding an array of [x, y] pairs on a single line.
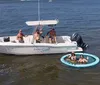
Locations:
{"points": [[28, 39], [60, 39]]}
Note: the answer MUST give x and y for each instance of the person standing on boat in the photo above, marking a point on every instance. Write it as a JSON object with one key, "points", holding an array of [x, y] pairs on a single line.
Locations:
{"points": [[20, 36], [52, 36]]}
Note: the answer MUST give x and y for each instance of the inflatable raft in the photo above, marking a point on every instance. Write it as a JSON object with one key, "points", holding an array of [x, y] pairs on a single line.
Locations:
{"points": [[92, 60]]}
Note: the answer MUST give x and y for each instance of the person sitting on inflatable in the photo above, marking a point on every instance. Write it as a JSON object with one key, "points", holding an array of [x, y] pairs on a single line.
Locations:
{"points": [[82, 59], [72, 57]]}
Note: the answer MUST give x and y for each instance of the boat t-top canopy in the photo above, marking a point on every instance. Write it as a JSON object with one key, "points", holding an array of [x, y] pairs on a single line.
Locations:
{"points": [[42, 22]]}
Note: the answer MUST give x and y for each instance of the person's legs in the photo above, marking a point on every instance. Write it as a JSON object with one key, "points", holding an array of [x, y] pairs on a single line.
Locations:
{"points": [[55, 40], [50, 40]]}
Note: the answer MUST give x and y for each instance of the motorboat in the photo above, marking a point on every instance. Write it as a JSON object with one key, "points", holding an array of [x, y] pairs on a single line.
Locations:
{"points": [[64, 44]]}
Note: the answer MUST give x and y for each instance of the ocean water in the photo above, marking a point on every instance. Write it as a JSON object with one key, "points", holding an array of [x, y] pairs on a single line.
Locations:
{"points": [[81, 16]]}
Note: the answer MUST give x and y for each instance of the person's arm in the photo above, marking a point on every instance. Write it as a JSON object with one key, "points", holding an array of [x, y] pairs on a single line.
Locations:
{"points": [[79, 61], [17, 36], [86, 60]]}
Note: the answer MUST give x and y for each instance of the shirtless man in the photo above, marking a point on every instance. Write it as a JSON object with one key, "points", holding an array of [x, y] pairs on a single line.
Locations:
{"points": [[82, 60], [52, 36]]}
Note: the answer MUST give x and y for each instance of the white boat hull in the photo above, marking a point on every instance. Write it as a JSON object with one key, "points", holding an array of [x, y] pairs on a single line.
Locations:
{"points": [[28, 48]]}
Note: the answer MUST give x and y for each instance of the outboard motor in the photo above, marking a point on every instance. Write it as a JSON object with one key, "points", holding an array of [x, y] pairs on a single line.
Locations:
{"points": [[76, 37]]}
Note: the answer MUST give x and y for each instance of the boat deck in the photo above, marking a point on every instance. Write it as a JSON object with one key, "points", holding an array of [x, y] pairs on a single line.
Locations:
{"points": [[29, 39]]}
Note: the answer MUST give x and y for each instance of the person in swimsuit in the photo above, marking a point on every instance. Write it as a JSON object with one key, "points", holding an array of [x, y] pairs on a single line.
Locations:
{"points": [[37, 36], [20, 36], [72, 57], [52, 36], [82, 60]]}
